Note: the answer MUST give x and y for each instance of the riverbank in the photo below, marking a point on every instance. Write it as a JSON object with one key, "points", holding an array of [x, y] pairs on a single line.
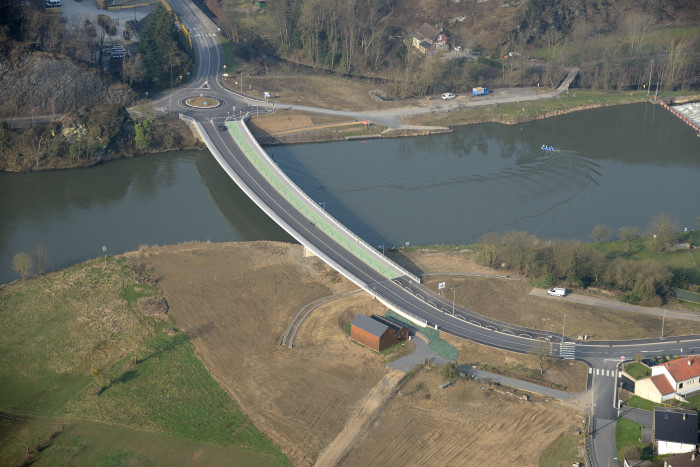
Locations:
{"points": [[84, 140]]}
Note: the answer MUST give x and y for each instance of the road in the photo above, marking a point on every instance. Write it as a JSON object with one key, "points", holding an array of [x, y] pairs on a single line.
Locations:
{"points": [[398, 291]]}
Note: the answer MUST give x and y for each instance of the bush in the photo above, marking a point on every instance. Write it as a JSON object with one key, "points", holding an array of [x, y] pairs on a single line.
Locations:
{"points": [[449, 370]]}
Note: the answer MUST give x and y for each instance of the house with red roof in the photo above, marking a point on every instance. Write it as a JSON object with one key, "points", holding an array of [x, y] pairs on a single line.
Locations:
{"points": [[671, 380]]}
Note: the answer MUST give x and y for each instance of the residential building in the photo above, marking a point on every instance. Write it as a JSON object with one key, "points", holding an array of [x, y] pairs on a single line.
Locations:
{"points": [[675, 431], [688, 459], [675, 379]]}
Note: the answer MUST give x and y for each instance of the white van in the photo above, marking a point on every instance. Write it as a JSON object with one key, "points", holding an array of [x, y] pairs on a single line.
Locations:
{"points": [[53, 3], [557, 292], [448, 95]]}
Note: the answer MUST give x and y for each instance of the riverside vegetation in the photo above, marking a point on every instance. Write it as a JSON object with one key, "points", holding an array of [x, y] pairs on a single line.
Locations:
{"points": [[91, 356], [642, 268]]}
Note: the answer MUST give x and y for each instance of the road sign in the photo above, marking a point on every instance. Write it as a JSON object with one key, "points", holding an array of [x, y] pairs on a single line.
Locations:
{"points": [[622, 358], [234, 107], [441, 285]]}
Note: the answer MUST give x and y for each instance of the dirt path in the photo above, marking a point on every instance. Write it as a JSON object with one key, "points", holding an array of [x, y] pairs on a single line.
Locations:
{"points": [[360, 419]]}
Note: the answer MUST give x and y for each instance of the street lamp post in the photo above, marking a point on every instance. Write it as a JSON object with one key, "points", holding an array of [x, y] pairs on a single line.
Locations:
{"points": [[453, 297], [663, 322], [382, 247], [563, 330], [241, 80]]}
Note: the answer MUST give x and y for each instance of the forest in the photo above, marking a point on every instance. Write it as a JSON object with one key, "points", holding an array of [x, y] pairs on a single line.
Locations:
{"points": [[618, 45]]}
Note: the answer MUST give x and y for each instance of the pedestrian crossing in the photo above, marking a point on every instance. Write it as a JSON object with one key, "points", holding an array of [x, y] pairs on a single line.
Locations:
{"points": [[567, 351], [603, 372]]}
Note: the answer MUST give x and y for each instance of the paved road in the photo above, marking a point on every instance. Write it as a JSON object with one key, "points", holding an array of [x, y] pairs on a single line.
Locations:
{"points": [[401, 293], [617, 305]]}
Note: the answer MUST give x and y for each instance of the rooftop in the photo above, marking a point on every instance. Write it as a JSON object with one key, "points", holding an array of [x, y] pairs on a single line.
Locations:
{"points": [[662, 384], [369, 325], [684, 368], [676, 425]]}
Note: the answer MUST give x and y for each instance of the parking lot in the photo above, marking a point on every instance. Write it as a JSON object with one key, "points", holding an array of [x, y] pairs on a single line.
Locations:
{"points": [[79, 11]]}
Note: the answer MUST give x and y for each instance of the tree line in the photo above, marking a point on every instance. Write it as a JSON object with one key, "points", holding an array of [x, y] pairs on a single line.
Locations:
{"points": [[24, 29], [575, 264]]}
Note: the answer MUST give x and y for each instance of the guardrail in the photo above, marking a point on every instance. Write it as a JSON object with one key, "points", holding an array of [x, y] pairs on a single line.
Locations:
{"points": [[300, 238], [588, 442]]}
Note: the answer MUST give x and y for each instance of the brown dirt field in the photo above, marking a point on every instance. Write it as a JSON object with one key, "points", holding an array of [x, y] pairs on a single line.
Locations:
{"points": [[329, 92], [235, 301], [571, 374], [509, 301], [284, 120], [460, 425]]}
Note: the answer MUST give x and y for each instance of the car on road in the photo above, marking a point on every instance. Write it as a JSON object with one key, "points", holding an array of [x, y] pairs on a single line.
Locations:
{"points": [[557, 292], [222, 128], [448, 95]]}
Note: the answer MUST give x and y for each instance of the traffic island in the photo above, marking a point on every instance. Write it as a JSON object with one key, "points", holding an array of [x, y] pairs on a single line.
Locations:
{"points": [[202, 102]]}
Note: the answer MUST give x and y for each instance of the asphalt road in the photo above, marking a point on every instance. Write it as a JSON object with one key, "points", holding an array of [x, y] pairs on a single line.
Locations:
{"points": [[403, 293]]}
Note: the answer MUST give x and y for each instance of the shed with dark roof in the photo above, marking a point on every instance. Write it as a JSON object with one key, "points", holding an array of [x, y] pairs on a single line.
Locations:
{"points": [[377, 333]]}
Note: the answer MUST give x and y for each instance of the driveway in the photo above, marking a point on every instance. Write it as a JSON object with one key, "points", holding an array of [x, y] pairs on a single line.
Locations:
{"points": [[643, 417], [421, 354]]}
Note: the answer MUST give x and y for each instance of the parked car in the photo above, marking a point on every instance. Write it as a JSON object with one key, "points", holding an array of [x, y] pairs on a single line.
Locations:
{"points": [[557, 291], [448, 95], [222, 128]]}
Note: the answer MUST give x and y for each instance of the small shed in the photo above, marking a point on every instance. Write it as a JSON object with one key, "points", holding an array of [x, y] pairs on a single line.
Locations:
{"points": [[376, 332]]}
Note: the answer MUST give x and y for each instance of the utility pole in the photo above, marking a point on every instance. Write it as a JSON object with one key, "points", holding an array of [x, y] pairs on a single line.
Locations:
{"points": [[649, 85], [453, 298]]}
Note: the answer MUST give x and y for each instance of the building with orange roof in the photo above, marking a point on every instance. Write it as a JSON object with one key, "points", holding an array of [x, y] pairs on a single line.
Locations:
{"points": [[675, 379]]}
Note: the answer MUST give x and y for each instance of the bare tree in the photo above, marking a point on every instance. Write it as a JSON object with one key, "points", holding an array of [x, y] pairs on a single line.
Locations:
{"points": [[663, 232], [22, 264], [42, 256], [600, 233], [628, 235], [541, 352]]}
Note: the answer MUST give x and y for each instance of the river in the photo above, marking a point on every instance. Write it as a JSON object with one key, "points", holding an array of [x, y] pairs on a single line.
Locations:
{"points": [[617, 166]]}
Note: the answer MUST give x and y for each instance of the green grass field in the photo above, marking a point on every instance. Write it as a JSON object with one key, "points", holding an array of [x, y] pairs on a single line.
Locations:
{"points": [[637, 370], [627, 434], [688, 260], [562, 452], [60, 332]]}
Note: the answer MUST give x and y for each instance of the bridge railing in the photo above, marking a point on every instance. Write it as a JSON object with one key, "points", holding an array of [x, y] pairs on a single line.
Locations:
{"points": [[352, 241], [300, 238]]}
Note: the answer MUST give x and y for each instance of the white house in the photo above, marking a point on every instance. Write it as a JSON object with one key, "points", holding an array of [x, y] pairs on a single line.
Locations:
{"points": [[670, 380], [675, 431]]}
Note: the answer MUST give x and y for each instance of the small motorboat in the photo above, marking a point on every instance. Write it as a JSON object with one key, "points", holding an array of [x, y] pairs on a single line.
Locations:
{"points": [[547, 148]]}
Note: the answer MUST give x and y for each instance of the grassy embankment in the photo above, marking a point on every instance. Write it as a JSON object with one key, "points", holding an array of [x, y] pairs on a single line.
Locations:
{"points": [[561, 452], [519, 112], [93, 371], [688, 260], [637, 370]]}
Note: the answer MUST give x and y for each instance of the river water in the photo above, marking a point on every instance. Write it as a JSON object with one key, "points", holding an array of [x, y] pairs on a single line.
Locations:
{"points": [[618, 166]]}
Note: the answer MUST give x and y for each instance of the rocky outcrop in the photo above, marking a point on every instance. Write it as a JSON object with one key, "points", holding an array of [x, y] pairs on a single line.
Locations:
{"points": [[42, 84]]}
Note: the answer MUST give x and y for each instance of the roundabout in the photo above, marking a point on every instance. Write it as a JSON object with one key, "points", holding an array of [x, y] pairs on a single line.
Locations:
{"points": [[202, 102]]}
